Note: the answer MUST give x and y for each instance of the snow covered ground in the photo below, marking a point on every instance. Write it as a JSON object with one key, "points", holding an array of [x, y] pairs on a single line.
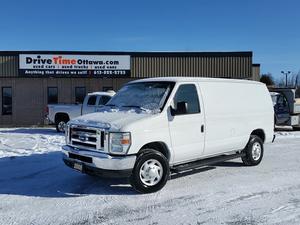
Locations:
{"points": [[36, 188]]}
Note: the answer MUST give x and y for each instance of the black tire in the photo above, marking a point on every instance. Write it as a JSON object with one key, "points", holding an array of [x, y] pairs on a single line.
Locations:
{"points": [[59, 121], [296, 128], [136, 179], [252, 157]]}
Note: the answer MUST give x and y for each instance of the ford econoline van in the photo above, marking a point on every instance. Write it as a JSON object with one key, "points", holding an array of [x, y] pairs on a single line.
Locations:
{"points": [[156, 126]]}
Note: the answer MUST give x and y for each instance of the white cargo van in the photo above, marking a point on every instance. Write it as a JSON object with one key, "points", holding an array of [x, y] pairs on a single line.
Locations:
{"points": [[154, 126]]}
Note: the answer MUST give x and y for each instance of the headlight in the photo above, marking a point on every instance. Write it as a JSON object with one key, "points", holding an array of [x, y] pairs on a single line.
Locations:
{"points": [[119, 143]]}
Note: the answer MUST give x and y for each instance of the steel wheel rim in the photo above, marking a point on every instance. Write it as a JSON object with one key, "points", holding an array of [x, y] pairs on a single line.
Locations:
{"points": [[256, 151], [61, 126], [151, 172]]}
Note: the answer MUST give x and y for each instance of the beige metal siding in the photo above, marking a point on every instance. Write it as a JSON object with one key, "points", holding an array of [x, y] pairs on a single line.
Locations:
{"points": [[9, 66], [234, 67], [152, 66], [256, 72]]}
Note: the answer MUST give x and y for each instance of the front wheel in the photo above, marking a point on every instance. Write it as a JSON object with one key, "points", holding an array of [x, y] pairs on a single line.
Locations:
{"points": [[151, 172], [254, 151]]}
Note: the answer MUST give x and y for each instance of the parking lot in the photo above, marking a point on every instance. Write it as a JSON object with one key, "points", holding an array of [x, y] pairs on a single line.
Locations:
{"points": [[37, 188]]}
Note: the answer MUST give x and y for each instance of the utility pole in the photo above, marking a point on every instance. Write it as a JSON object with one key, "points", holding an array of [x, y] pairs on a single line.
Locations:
{"points": [[286, 75]]}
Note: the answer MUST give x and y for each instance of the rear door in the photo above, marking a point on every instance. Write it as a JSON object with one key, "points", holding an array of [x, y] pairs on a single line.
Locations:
{"points": [[187, 130]]}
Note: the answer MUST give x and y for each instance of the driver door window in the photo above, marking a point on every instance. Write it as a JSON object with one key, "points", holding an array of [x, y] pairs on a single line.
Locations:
{"points": [[92, 100], [188, 93]]}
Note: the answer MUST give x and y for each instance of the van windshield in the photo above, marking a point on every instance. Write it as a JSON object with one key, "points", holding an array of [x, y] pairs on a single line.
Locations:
{"points": [[144, 96]]}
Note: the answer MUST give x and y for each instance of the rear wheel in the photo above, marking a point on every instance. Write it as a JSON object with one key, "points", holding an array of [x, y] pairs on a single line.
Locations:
{"points": [[151, 172], [60, 123], [254, 151]]}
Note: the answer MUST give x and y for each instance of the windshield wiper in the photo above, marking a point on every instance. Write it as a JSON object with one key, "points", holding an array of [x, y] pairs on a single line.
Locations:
{"points": [[136, 106]]}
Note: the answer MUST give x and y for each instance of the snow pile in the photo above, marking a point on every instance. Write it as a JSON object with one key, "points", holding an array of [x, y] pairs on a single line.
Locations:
{"points": [[26, 141]]}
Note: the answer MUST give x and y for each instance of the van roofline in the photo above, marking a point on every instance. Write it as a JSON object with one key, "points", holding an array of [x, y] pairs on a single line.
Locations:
{"points": [[196, 79]]}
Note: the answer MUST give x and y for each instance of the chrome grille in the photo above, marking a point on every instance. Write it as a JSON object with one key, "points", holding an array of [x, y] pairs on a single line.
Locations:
{"points": [[86, 137]]}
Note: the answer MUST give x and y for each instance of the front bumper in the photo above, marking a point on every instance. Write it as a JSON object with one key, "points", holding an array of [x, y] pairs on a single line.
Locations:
{"points": [[98, 163]]}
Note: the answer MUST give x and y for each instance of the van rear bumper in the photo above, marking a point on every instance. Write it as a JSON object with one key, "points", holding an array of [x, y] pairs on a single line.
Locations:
{"points": [[98, 163]]}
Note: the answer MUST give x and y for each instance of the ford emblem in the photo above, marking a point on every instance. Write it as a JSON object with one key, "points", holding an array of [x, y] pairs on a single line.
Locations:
{"points": [[82, 138]]}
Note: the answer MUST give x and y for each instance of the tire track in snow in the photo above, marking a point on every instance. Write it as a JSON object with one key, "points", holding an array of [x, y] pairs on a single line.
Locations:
{"points": [[248, 197]]}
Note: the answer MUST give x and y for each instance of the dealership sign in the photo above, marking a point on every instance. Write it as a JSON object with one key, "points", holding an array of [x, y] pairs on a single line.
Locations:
{"points": [[74, 65]]}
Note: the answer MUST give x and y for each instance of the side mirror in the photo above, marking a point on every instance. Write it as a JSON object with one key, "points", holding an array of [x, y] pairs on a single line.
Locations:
{"points": [[181, 108]]}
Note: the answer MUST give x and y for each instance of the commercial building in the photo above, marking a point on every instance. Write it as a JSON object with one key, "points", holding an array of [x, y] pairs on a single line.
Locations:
{"points": [[29, 80]]}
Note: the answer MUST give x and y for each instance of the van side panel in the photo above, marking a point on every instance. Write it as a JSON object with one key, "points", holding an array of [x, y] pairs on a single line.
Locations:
{"points": [[233, 110]]}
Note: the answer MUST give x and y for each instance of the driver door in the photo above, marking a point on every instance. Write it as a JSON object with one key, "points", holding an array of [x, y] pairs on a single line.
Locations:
{"points": [[187, 129], [90, 105]]}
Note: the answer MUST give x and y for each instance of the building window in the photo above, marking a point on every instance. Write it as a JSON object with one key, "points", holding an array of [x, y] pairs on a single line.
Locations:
{"points": [[6, 101], [79, 94], [52, 95]]}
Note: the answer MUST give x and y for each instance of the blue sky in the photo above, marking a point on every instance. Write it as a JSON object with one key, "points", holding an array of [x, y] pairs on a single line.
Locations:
{"points": [[268, 28]]}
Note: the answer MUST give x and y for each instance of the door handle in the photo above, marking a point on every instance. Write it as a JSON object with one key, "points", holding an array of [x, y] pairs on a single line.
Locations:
{"points": [[202, 128]]}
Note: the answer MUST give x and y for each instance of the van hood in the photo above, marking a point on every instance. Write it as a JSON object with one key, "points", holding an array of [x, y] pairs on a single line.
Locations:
{"points": [[112, 121]]}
